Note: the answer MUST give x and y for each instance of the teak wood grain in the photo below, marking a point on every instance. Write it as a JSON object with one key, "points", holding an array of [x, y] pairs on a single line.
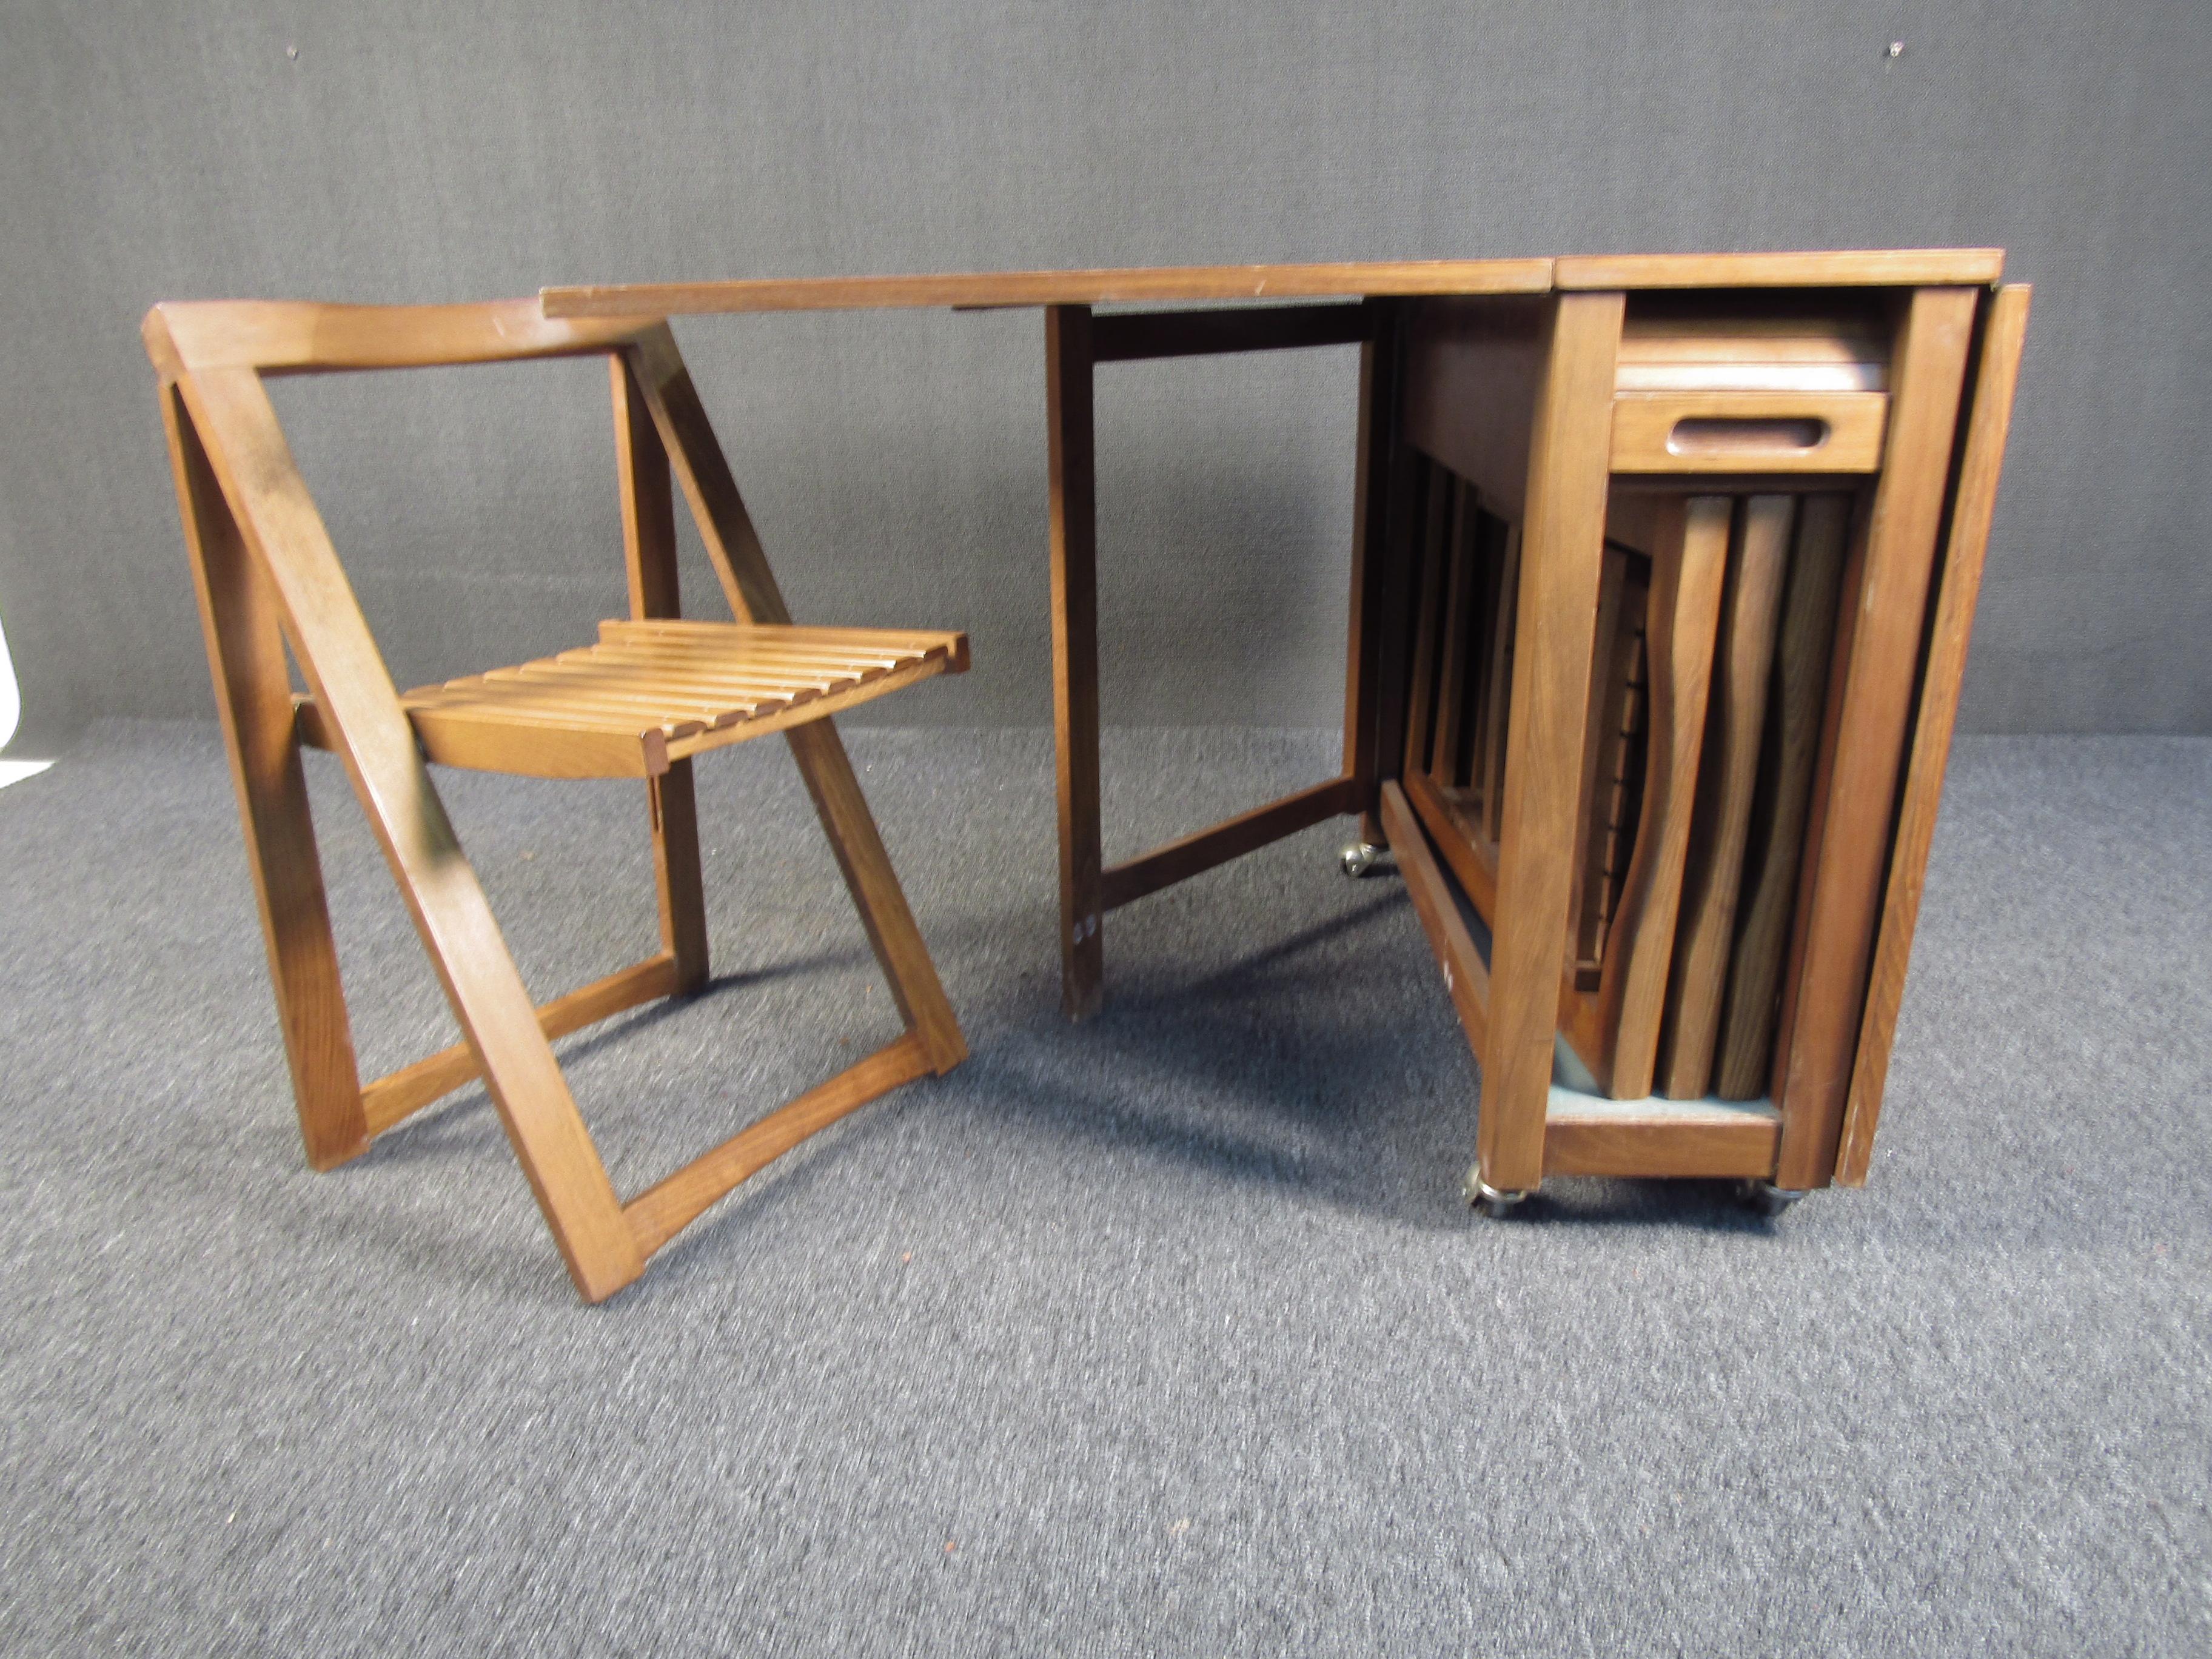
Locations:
{"points": [[1804, 646]]}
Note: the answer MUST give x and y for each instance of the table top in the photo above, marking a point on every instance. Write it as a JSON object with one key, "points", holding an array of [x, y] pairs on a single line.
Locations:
{"points": [[983, 290]]}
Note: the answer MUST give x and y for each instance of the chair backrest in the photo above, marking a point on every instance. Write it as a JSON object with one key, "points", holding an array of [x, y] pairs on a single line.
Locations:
{"points": [[212, 355], [300, 336]]}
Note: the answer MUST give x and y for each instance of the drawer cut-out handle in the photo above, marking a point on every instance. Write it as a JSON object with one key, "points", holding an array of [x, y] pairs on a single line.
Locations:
{"points": [[1721, 434]]}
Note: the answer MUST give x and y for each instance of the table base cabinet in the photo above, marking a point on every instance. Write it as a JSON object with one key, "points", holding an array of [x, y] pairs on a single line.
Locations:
{"points": [[1678, 584]]}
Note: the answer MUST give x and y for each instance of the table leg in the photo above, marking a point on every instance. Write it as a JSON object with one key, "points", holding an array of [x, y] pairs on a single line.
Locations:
{"points": [[1068, 361], [1375, 654]]}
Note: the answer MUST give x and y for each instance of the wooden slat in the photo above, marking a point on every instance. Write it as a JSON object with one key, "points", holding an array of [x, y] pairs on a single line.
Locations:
{"points": [[1460, 841], [796, 716], [1684, 619], [1466, 979], [700, 686], [699, 690], [689, 631], [1563, 546], [1181, 859], [1587, 1136], [1974, 505], [399, 1095], [1849, 849], [663, 1209], [1460, 587], [1433, 555], [1726, 781], [1051, 287], [1590, 903], [551, 748], [1131, 336], [531, 703], [552, 700], [643, 698], [710, 659], [1490, 537], [1803, 649], [1495, 707], [1878, 268]]}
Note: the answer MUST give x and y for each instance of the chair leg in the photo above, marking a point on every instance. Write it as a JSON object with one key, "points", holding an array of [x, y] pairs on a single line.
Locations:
{"points": [[851, 829], [677, 875], [495, 1015], [648, 516], [253, 689]]}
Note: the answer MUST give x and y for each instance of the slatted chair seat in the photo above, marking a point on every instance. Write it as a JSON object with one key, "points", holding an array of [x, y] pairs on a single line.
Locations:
{"points": [[651, 693]]}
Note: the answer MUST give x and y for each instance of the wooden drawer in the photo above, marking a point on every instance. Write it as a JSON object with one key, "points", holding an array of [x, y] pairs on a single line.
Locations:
{"points": [[1748, 432]]}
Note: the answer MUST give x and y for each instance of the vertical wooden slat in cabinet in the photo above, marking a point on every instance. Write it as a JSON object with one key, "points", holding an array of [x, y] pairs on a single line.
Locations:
{"points": [[1497, 703], [1758, 562], [1684, 618], [1463, 558], [1432, 550], [1804, 647]]}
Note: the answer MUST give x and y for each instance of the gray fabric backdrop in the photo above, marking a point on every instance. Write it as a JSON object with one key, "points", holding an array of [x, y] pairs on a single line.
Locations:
{"points": [[429, 151]]}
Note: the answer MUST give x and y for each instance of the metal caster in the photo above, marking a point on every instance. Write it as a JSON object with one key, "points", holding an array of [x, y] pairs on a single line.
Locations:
{"points": [[1764, 1198], [1360, 859], [1487, 1199]]}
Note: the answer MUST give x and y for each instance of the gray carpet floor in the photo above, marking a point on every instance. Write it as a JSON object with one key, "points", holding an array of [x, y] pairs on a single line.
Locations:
{"points": [[1167, 1334]]}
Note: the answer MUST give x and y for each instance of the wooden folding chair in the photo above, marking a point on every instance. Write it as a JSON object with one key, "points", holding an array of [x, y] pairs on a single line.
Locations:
{"points": [[653, 692]]}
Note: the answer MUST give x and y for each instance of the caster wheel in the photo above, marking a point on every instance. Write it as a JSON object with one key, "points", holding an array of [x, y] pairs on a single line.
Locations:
{"points": [[1481, 1196], [1764, 1198], [1360, 859]]}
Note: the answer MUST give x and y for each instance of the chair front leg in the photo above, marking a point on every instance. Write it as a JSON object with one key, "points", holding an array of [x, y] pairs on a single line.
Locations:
{"points": [[253, 697]]}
